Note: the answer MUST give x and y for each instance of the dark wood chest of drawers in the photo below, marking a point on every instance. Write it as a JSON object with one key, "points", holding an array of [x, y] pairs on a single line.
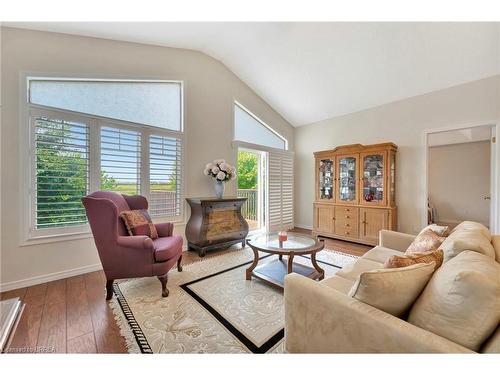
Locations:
{"points": [[215, 223]]}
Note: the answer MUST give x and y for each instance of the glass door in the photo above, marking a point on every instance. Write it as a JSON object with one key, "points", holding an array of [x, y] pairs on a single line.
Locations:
{"points": [[326, 179], [251, 185], [373, 178], [347, 176]]}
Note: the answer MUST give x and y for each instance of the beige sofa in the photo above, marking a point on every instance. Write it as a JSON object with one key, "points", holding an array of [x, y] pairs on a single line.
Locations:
{"points": [[321, 318]]}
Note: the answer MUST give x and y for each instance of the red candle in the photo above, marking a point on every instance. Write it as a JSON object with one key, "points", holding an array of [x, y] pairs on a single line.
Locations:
{"points": [[282, 236]]}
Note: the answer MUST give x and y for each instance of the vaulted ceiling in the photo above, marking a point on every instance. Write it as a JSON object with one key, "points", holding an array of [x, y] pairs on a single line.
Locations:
{"points": [[314, 71]]}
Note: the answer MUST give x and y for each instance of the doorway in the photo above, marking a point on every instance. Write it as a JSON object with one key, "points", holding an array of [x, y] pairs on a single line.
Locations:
{"points": [[461, 176], [251, 177]]}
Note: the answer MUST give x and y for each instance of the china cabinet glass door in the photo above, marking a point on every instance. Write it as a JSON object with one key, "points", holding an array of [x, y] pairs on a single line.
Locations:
{"points": [[347, 176], [326, 179], [392, 179], [373, 178]]}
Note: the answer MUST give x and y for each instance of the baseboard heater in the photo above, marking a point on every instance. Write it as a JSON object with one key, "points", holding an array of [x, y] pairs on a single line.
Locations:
{"points": [[11, 311]]}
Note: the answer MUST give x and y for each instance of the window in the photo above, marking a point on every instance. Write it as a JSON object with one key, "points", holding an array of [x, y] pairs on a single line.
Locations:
{"points": [[74, 154], [150, 103], [120, 160], [249, 128], [62, 172], [164, 175]]}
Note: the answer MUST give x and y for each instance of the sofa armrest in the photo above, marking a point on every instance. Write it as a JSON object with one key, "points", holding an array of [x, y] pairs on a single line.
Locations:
{"points": [[319, 319], [395, 240]]}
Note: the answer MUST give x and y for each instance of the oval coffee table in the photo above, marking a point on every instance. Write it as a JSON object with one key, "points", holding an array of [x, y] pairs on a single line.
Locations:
{"points": [[274, 271]]}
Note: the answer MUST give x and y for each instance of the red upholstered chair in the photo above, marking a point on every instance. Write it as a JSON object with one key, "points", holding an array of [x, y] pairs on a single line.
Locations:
{"points": [[123, 256]]}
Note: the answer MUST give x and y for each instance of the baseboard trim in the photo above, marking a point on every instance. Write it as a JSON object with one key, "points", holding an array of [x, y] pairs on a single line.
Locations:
{"points": [[49, 277], [303, 226]]}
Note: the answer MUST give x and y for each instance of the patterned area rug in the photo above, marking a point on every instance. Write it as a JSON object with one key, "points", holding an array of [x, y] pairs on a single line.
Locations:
{"points": [[211, 308]]}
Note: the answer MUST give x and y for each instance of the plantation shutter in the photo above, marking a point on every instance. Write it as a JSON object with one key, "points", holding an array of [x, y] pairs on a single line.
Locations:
{"points": [[280, 188], [61, 160], [165, 176], [120, 160]]}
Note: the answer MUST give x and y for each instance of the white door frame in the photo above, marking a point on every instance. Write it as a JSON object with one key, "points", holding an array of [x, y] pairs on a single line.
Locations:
{"points": [[494, 176]]}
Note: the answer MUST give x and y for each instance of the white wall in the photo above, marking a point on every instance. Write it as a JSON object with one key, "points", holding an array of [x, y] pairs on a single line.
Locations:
{"points": [[210, 89], [459, 179], [403, 123]]}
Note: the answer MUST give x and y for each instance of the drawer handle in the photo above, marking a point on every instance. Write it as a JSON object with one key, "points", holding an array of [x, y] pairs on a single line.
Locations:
{"points": [[333, 218], [347, 233], [348, 210], [347, 217], [347, 225]]}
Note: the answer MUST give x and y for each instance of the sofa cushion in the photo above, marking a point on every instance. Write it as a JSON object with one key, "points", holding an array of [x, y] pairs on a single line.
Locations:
{"points": [[472, 225], [495, 241], [167, 248], [392, 290], [338, 283], [353, 270], [440, 230], [427, 240], [380, 254], [467, 239], [492, 345], [397, 261], [462, 300]]}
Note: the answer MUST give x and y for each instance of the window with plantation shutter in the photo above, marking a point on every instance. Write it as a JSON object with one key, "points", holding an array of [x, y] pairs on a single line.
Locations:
{"points": [[280, 188], [77, 143], [164, 176], [61, 160], [120, 160]]}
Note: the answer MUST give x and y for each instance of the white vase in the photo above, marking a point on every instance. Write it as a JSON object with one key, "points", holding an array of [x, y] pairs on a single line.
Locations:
{"points": [[219, 189]]}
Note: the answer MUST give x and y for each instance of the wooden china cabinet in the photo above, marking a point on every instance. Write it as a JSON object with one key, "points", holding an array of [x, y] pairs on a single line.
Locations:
{"points": [[355, 192]]}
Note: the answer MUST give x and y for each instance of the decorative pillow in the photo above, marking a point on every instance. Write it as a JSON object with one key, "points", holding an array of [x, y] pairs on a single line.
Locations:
{"points": [[139, 223], [440, 230], [425, 241], [461, 301], [392, 290], [397, 261], [465, 239]]}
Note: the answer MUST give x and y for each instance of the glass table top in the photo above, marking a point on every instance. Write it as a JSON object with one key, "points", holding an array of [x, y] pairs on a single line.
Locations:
{"points": [[295, 242]]}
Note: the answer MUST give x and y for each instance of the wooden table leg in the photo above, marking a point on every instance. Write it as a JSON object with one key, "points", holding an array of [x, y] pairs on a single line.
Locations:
{"points": [[253, 265], [317, 267], [290, 262]]}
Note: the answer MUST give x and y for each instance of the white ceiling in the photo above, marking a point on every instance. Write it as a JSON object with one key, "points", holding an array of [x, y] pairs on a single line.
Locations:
{"points": [[314, 71]]}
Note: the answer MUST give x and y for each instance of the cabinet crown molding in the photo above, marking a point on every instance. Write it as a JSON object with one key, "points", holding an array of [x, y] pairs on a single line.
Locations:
{"points": [[357, 147]]}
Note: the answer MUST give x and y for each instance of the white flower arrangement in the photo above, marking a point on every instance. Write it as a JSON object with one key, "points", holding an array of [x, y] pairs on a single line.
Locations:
{"points": [[220, 170]]}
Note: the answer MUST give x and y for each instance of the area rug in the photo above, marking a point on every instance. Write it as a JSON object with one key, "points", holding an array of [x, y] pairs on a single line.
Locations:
{"points": [[211, 307]]}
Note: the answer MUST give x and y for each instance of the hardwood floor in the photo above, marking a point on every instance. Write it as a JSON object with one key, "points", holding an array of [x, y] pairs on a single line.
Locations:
{"points": [[72, 316], [339, 245]]}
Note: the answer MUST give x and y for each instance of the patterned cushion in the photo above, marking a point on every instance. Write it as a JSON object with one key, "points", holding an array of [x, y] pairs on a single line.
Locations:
{"points": [[440, 230], [139, 223], [397, 261], [428, 240]]}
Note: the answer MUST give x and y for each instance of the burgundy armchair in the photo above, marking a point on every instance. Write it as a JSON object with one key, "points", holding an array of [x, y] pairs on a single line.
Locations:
{"points": [[123, 256]]}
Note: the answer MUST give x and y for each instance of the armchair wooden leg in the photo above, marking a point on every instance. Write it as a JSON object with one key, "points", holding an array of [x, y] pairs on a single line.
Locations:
{"points": [[163, 280], [179, 264], [109, 289]]}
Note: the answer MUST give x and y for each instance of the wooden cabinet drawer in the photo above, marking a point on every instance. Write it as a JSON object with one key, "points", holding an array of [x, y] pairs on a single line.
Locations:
{"points": [[346, 221]]}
